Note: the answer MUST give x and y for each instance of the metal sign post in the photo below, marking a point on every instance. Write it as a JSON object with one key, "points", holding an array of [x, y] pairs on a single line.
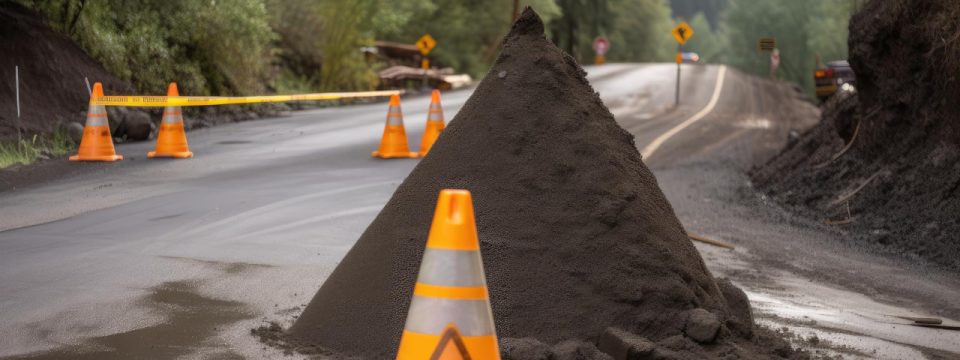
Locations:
{"points": [[679, 59], [681, 33]]}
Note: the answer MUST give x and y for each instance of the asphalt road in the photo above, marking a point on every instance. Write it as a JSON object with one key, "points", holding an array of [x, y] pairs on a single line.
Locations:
{"points": [[97, 258]]}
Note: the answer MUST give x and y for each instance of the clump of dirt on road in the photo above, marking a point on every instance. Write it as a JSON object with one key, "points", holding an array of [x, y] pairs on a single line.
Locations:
{"points": [[891, 152], [583, 253], [52, 71]]}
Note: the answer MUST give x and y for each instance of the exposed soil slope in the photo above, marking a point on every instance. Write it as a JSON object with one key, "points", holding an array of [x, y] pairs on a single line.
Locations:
{"points": [[900, 175], [576, 234], [52, 71]]}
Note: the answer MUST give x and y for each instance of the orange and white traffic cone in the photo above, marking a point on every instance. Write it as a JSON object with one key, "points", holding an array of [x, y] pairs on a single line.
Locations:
{"points": [[435, 124], [393, 144], [450, 316], [96, 143], [172, 140]]}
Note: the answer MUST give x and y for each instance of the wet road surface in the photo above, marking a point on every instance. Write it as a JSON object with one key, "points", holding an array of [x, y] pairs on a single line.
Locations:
{"points": [[107, 256]]}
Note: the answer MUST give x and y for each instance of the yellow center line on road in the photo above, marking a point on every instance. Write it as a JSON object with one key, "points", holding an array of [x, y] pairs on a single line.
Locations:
{"points": [[653, 146]]}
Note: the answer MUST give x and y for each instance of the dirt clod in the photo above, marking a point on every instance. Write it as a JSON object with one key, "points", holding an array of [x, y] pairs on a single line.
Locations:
{"points": [[702, 325], [623, 345]]}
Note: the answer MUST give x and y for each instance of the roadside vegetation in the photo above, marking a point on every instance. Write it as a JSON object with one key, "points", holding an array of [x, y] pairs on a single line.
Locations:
{"points": [[26, 151], [231, 47]]}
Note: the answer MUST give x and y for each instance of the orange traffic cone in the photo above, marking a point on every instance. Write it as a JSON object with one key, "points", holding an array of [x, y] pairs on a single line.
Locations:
{"points": [[434, 124], [450, 316], [172, 140], [96, 143], [393, 144]]}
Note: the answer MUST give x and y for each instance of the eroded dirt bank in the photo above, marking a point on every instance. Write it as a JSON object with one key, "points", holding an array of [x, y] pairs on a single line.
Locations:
{"points": [[884, 163]]}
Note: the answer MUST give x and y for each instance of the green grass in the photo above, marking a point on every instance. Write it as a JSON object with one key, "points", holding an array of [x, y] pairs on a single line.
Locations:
{"points": [[26, 151]]}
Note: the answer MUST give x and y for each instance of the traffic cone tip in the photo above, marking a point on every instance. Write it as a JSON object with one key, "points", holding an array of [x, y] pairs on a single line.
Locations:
{"points": [[172, 90], [97, 91], [454, 226]]}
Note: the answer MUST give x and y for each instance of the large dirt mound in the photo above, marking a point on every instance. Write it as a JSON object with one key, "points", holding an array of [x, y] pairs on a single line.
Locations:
{"points": [[52, 71], [900, 174], [576, 234]]}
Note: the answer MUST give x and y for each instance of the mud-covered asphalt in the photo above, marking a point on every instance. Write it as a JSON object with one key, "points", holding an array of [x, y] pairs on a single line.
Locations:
{"points": [[91, 255]]}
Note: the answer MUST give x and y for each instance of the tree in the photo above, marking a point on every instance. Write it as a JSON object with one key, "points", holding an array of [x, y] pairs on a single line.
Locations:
{"points": [[468, 33], [803, 29], [705, 42], [638, 29]]}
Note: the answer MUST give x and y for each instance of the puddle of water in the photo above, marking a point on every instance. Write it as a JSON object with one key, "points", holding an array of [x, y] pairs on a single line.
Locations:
{"points": [[851, 320], [755, 123], [844, 323], [191, 319]]}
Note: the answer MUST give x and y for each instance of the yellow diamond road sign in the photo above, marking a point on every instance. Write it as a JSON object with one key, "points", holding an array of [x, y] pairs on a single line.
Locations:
{"points": [[426, 43], [682, 32]]}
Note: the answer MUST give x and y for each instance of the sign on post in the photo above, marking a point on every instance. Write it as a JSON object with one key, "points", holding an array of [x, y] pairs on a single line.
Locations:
{"points": [[682, 32], [601, 45], [426, 43], [767, 44]]}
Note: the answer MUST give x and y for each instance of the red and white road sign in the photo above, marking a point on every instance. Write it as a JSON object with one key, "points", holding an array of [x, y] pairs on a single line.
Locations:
{"points": [[601, 45]]}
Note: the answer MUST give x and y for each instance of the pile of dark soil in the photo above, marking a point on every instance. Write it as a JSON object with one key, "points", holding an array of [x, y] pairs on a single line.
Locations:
{"points": [[52, 71], [891, 152], [581, 248]]}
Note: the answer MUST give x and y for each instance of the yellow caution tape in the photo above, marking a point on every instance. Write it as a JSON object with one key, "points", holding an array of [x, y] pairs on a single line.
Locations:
{"points": [[161, 101]]}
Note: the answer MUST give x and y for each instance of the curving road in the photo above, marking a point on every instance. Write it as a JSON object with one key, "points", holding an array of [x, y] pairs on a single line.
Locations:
{"points": [[191, 254]]}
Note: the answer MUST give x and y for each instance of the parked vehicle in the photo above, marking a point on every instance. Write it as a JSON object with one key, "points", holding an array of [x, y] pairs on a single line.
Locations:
{"points": [[832, 77]]}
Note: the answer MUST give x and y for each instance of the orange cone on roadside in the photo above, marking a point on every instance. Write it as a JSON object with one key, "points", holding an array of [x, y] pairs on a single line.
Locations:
{"points": [[450, 316], [435, 124], [96, 143], [172, 140], [393, 144]]}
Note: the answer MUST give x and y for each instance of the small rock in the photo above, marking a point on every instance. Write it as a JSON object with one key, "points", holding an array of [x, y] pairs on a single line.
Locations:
{"points": [[115, 117], [740, 319], [578, 350], [524, 349], [624, 345], [502, 74], [74, 130], [702, 326], [137, 126]]}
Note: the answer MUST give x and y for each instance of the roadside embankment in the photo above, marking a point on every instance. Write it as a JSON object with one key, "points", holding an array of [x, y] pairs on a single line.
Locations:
{"points": [[885, 162]]}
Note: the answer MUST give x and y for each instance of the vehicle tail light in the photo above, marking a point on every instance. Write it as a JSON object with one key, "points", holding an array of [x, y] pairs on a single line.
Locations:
{"points": [[823, 73]]}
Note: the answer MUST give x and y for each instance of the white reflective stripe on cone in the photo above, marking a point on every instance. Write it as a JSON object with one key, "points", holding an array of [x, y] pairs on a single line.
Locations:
{"points": [[435, 116], [97, 116], [462, 268], [172, 115], [394, 120], [430, 315]]}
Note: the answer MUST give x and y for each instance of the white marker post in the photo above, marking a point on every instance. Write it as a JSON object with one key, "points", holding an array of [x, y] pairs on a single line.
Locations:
{"points": [[16, 72]]}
